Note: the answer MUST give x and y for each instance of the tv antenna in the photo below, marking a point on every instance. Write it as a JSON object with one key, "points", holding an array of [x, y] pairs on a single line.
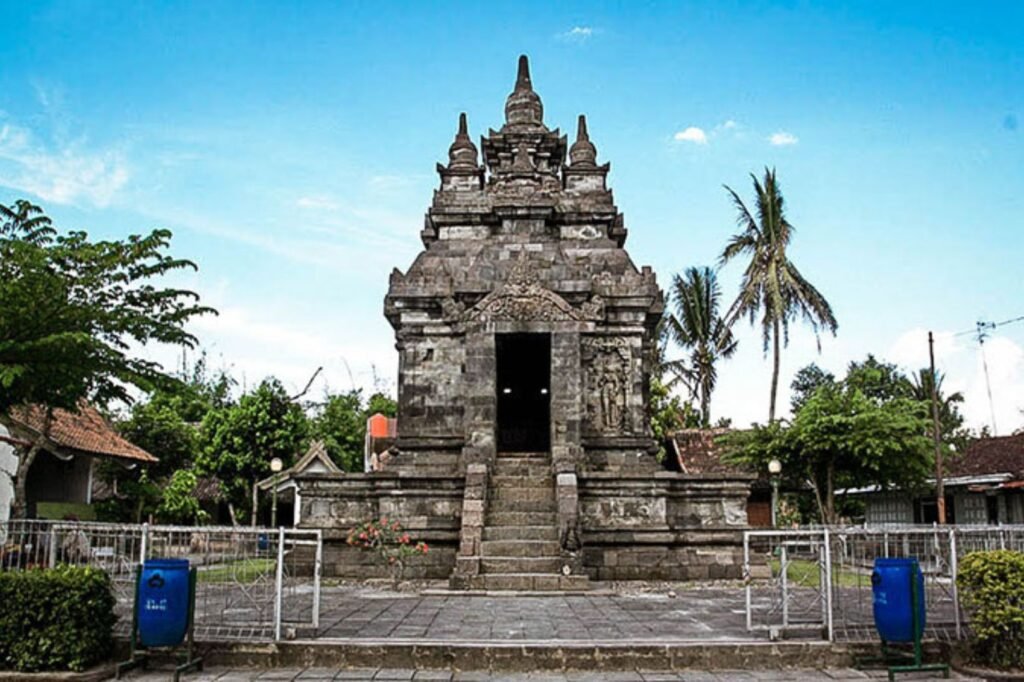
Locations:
{"points": [[982, 330]]}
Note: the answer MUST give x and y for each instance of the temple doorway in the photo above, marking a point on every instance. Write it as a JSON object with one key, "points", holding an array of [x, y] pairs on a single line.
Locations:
{"points": [[524, 392]]}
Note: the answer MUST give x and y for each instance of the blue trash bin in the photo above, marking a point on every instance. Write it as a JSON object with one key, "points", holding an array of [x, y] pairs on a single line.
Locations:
{"points": [[163, 602], [893, 599]]}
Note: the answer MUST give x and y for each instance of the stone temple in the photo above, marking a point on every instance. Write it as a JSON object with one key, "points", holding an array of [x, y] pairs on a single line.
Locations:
{"points": [[526, 337]]}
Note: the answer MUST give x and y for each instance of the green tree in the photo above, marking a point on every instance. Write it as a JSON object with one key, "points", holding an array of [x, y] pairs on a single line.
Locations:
{"points": [[806, 381], [179, 503], [341, 425], [772, 287], [951, 422], [72, 309], [381, 403], [237, 442], [166, 424], [879, 380], [843, 438], [698, 327], [669, 414]]}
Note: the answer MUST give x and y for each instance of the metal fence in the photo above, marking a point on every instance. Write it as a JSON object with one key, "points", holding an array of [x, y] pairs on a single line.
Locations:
{"points": [[252, 583], [817, 582]]}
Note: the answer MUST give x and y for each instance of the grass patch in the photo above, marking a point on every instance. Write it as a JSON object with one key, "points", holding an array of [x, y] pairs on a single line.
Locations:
{"points": [[239, 571], [806, 573]]}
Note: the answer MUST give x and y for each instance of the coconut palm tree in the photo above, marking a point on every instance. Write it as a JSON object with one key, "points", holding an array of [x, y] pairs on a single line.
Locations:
{"points": [[698, 327], [772, 287]]}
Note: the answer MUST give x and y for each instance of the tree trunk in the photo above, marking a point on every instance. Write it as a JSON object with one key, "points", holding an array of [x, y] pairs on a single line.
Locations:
{"points": [[19, 509], [830, 495], [816, 487], [775, 370], [705, 406], [255, 502], [231, 513]]}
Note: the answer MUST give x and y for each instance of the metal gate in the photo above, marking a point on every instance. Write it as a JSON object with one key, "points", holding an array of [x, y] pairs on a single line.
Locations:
{"points": [[819, 579], [252, 583]]}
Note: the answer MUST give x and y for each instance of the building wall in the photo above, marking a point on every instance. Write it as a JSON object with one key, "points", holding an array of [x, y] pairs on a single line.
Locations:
{"points": [[1015, 508], [428, 507], [51, 479], [888, 508], [971, 509], [662, 526], [645, 527]]}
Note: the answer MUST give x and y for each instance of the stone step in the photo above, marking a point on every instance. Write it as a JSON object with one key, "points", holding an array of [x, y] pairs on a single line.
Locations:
{"points": [[519, 564], [519, 548], [502, 481], [520, 518], [521, 533], [529, 581], [516, 504], [546, 456], [522, 470], [539, 494]]}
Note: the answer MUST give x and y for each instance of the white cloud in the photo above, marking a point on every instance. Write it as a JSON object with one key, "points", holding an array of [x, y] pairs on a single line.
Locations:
{"points": [[729, 125], [319, 202], [577, 34], [60, 172], [691, 134], [261, 343], [782, 139], [394, 182], [959, 358]]}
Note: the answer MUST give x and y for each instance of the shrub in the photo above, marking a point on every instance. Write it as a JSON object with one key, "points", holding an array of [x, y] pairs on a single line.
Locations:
{"points": [[991, 586], [391, 544], [55, 619]]}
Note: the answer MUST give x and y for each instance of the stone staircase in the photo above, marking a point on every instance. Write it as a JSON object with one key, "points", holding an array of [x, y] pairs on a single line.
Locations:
{"points": [[520, 549]]}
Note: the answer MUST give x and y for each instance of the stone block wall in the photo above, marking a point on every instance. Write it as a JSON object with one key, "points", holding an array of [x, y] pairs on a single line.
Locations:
{"points": [[429, 507], [662, 526]]}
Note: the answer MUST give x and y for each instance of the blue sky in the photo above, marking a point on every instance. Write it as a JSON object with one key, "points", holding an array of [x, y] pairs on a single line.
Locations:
{"points": [[291, 147]]}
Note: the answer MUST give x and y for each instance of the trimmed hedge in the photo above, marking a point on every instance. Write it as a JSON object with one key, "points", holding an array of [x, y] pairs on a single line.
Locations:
{"points": [[991, 586], [55, 619]]}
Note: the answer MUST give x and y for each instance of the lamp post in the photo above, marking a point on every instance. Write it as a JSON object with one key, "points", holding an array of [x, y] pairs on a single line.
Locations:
{"points": [[774, 469], [275, 466]]}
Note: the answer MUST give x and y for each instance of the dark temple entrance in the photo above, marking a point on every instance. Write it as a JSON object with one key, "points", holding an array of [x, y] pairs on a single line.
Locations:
{"points": [[524, 400]]}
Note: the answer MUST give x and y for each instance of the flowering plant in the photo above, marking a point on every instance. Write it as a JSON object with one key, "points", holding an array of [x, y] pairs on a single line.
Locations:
{"points": [[389, 541]]}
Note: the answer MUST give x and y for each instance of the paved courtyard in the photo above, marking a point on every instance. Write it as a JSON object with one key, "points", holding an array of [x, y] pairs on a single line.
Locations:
{"points": [[353, 674], [696, 614]]}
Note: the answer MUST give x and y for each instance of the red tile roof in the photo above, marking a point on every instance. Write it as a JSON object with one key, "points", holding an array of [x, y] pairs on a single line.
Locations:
{"points": [[85, 431], [1001, 455], [698, 453]]}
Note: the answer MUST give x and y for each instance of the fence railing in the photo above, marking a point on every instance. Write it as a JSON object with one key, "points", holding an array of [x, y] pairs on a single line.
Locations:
{"points": [[252, 583], [818, 580]]}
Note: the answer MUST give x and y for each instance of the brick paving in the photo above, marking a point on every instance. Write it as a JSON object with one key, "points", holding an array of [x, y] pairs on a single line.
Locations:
{"points": [[354, 674]]}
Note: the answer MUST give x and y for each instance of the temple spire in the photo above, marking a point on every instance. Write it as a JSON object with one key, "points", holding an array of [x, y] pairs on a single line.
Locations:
{"points": [[462, 153], [583, 152], [523, 75], [523, 108]]}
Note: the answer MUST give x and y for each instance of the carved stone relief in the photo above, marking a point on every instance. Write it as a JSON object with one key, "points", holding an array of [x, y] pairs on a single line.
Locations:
{"points": [[609, 371]]}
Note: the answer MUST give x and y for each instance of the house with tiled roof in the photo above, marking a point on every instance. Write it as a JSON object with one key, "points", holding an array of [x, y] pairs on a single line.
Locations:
{"points": [[61, 476], [983, 485]]}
